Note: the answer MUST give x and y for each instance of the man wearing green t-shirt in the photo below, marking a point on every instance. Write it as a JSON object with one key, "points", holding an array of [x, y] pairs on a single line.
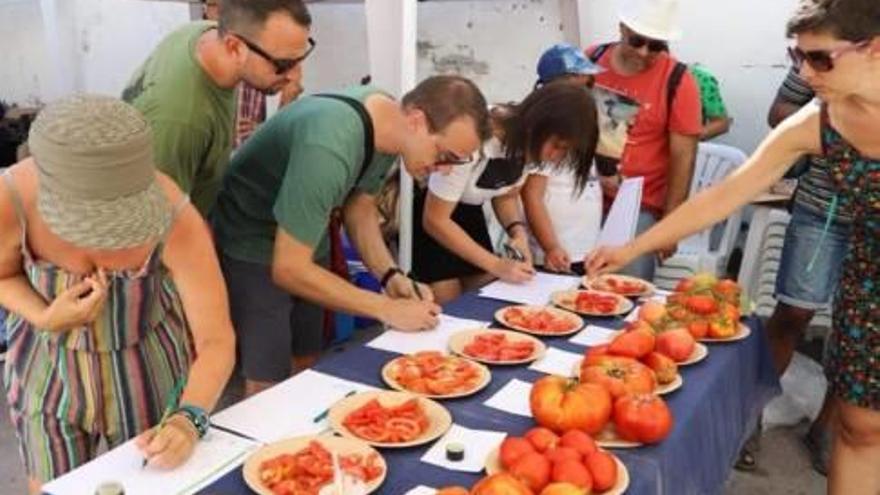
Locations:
{"points": [[186, 87], [326, 152]]}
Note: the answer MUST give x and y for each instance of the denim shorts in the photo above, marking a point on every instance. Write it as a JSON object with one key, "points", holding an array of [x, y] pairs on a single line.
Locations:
{"points": [[798, 286]]}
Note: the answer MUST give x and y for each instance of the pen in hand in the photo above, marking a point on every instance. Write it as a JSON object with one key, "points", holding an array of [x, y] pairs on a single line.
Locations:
{"points": [[170, 406]]}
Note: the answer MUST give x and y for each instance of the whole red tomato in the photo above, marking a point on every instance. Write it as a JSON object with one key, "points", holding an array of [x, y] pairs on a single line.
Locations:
{"points": [[533, 470], [542, 439], [562, 404], [512, 448], [603, 468], [501, 484], [578, 440], [642, 418], [620, 375], [664, 367], [633, 343], [678, 344]]}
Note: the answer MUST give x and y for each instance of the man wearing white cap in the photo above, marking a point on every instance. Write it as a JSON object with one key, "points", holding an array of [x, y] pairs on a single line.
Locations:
{"points": [[660, 142]]}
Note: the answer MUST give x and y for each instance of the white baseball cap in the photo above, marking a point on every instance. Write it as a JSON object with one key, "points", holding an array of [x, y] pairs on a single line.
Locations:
{"points": [[657, 19]]}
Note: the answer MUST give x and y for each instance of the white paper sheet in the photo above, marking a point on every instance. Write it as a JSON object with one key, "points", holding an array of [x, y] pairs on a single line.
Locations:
{"points": [[620, 225], [557, 362], [478, 444], [593, 335], [512, 398], [422, 490], [433, 340], [289, 408], [537, 291], [215, 455]]}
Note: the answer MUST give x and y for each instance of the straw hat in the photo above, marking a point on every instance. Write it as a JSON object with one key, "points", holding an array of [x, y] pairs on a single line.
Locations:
{"points": [[97, 181], [657, 19]]}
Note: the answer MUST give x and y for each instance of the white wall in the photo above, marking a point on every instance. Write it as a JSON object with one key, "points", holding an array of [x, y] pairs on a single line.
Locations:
{"points": [[24, 69], [495, 42]]}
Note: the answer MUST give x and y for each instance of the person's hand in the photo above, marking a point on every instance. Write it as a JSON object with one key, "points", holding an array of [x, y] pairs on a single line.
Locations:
{"points": [[609, 184], [76, 306], [516, 272], [169, 446], [607, 260], [557, 260], [521, 244], [246, 127], [402, 287], [410, 315], [665, 253]]}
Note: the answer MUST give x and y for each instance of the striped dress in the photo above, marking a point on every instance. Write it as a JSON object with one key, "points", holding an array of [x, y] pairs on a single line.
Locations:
{"points": [[109, 379]]}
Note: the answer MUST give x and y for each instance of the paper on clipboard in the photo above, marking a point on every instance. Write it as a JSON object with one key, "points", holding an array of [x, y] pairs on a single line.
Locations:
{"points": [[620, 225]]}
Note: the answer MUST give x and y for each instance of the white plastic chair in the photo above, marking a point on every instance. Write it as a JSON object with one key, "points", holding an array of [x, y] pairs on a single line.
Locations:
{"points": [[698, 253]]}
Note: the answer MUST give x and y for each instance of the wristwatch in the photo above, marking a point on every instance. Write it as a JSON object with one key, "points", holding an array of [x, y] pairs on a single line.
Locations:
{"points": [[197, 416]]}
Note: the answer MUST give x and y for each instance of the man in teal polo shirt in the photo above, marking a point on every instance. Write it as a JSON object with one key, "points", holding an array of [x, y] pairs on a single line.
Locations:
{"points": [[322, 153]]}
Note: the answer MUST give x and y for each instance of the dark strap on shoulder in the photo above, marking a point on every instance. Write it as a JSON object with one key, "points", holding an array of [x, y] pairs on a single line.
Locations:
{"points": [[369, 147], [599, 51], [672, 85]]}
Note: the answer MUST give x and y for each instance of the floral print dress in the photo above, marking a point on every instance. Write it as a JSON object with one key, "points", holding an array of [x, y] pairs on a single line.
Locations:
{"points": [[853, 366]]}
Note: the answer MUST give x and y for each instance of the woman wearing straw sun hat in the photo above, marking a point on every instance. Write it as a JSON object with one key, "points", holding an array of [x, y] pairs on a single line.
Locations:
{"points": [[116, 299]]}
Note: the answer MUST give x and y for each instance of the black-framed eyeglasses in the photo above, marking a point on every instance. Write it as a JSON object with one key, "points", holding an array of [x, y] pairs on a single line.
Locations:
{"points": [[821, 60], [281, 65], [447, 157], [637, 41]]}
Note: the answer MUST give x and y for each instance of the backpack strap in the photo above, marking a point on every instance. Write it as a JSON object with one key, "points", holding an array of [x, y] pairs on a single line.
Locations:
{"points": [[599, 51], [369, 145], [672, 85]]}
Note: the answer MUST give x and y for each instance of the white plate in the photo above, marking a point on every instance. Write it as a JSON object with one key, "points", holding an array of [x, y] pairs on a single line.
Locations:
{"points": [[599, 283], [743, 332], [565, 300]]}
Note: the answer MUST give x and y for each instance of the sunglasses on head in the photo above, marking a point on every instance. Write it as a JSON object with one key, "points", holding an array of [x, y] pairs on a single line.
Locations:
{"points": [[281, 65], [637, 41], [821, 60]]}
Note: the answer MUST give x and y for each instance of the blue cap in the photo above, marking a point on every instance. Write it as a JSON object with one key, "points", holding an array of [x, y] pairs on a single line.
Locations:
{"points": [[562, 59]]}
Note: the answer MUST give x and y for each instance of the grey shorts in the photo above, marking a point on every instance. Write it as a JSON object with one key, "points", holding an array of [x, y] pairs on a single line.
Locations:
{"points": [[271, 325]]}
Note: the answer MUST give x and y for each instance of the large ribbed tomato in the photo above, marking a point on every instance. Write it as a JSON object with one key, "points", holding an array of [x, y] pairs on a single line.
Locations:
{"points": [[620, 375], [501, 484], [562, 404], [642, 418]]}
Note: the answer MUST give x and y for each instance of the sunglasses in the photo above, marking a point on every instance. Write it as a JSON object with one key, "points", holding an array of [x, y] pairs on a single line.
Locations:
{"points": [[281, 65], [821, 60], [637, 41]]}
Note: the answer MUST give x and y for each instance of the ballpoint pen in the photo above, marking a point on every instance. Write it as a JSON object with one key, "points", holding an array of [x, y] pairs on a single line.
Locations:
{"points": [[170, 406]]}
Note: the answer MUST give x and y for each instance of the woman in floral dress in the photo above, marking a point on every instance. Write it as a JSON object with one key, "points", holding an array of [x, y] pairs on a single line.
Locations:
{"points": [[837, 48]]}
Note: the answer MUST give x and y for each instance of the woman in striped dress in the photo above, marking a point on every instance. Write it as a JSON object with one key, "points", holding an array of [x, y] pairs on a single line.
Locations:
{"points": [[114, 293]]}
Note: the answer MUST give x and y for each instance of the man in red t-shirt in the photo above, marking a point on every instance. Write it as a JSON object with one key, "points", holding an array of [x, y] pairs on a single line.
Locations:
{"points": [[650, 115]]}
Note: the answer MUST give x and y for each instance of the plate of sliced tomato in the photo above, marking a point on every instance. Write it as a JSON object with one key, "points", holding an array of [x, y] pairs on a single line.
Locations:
{"points": [[389, 419], [592, 302], [496, 346], [304, 465], [545, 321], [436, 375], [623, 285]]}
